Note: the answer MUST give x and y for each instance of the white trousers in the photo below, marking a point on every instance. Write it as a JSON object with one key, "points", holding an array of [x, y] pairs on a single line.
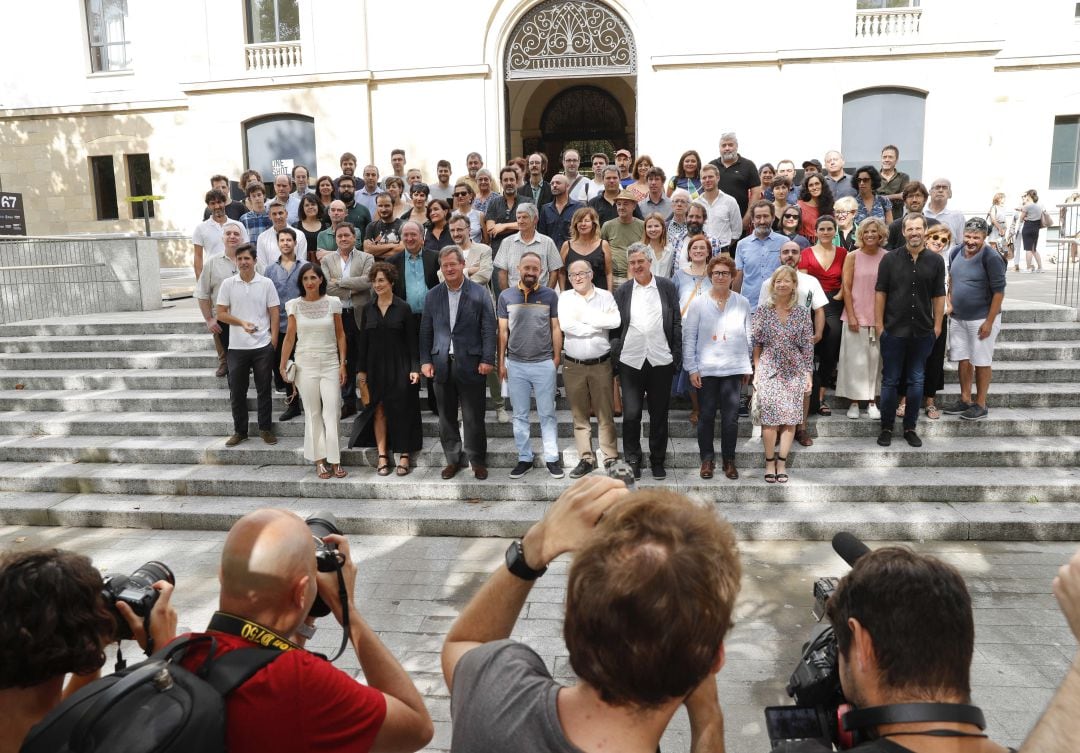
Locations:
{"points": [[317, 379]]}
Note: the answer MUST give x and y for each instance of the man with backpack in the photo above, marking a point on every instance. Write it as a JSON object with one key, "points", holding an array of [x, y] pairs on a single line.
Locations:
{"points": [[976, 290]]}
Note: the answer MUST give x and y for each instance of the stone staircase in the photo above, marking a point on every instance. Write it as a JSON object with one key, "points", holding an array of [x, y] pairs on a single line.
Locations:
{"points": [[118, 420]]}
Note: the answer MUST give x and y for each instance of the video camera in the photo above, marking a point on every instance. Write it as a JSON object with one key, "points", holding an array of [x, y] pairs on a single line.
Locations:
{"points": [[815, 683], [138, 592]]}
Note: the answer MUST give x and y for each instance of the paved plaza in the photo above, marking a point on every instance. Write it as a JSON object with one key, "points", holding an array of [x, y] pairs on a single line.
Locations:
{"points": [[411, 588]]}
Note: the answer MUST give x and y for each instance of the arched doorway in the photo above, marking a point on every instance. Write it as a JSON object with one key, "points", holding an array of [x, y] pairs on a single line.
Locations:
{"points": [[570, 71]]}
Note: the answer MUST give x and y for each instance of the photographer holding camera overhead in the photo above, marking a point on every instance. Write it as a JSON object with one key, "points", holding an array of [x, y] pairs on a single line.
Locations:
{"points": [[58, 615], [904, 639]]}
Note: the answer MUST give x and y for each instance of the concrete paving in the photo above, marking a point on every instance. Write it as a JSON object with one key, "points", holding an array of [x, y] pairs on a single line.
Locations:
{"points": [[411, 589]]}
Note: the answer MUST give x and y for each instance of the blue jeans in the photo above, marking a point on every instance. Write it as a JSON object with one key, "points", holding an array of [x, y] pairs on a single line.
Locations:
{"points": [[524, 380], [904, 356]]}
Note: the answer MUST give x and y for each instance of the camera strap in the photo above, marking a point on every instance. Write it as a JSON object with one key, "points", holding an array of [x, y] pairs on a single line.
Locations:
{"points": [[224, 622], [907, 713]]}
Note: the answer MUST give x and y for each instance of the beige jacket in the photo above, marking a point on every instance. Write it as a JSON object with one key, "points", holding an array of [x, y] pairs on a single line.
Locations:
{"points": [[354, 290]]}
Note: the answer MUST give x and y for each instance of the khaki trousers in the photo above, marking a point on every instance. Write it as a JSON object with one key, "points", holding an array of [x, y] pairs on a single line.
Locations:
{"points": [[590, 388]]}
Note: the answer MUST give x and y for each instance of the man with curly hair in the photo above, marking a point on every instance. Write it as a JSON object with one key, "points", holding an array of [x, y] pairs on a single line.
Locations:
{"points": [[55, 621]]}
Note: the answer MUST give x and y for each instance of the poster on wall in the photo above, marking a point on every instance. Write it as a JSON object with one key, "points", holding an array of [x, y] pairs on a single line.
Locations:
{"points": [[282, 167], [12, 216]]}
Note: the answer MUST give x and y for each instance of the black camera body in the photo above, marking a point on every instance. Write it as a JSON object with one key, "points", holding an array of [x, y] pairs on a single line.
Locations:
{"points": [[137, 591], [327, 557]]}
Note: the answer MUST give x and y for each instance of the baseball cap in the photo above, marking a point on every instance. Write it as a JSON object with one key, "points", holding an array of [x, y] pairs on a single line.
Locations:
{"points": [[813, 162], [624, 151]]}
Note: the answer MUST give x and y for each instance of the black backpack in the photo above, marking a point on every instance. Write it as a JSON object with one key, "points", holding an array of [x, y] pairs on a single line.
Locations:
{"points": [[155, 706]]}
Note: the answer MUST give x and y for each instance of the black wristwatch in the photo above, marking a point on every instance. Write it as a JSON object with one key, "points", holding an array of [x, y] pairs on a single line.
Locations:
{"points": [[516, 564]]}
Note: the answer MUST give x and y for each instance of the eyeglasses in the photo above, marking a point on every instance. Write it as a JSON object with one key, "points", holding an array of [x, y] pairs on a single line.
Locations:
{"points": [[721, 273], [863, 180], [460, 194], [841, 213], [579, 275]]}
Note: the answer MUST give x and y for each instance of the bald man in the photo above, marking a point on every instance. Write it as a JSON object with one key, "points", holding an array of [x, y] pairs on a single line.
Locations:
{"points": [[300, 701]]}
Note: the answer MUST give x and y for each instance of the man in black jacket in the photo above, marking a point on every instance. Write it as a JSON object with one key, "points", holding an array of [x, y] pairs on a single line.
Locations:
{"points": [[646, 350]]}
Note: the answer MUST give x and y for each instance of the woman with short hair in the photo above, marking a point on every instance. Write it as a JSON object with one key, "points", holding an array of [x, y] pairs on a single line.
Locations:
{"points": [[716, 356], [417, 212], [781, 187], [483, 190], [844, 210], [783, 338], [395, 187], [436, 229]]}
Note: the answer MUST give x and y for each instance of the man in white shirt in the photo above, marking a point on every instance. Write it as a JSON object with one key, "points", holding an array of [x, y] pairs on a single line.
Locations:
{"points": [[578, 183], [266, 247], [300, 180], [586, 313], [725, 219], [217, 270], [249, 304], [647, 348], [208, 236]]}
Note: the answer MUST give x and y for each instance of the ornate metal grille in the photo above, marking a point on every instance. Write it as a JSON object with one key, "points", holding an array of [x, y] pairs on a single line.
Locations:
{"points": [[565, 39]]}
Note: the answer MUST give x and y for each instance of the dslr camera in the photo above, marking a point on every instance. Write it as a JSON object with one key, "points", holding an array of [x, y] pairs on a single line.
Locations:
{"points": [[815, 683], [137, 591], [327, 557]]}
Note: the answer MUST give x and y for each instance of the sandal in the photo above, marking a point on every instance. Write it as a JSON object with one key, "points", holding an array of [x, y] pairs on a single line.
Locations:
{"points": [[781, 478], [770, 478], [900, 409], [403, 470], [824, 410], [339, 472], [384, 468], [933, 412], [322, 471], [693, 418]]}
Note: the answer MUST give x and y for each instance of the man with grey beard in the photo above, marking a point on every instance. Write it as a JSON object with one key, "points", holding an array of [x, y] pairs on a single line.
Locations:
{"points": [[738, 176]]}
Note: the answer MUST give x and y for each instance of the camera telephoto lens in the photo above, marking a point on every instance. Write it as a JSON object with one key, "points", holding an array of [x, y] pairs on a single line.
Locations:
{"points": [[326, 555], [151, 573]]}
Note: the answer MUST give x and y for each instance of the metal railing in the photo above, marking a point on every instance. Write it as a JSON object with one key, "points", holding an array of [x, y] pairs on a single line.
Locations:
{"points": [[45, 278], [1065, 256], [273, 56], [871, 25]]}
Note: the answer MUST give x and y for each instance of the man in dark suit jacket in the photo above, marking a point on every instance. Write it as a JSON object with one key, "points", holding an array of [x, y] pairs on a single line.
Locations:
{"points": [[646, 350], [411, 291], [457, 352]]}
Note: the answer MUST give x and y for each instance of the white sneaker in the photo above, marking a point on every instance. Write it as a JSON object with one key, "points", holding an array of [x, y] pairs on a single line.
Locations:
{"points": [[853, 411], [502, 416], [872, 412]]}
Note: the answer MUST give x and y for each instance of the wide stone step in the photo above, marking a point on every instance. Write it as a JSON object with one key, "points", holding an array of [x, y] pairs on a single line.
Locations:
{"points": [[177, 343], [190, 324], [69, 398], [817, 485], [1039, 332], [683, 453], [1013, 422], [1026, 520], [1027, 371], [92, 361], [1063, 350]]}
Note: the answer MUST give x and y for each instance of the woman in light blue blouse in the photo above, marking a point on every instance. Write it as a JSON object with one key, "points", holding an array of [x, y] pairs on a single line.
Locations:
{"points": [[716, 355]]}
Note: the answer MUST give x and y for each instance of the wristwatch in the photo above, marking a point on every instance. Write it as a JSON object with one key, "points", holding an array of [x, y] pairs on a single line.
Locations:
{"points": [[516, 564]]}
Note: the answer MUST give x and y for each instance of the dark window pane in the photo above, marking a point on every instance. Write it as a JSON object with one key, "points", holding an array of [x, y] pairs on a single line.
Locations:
{"points": [[104, 179], [1065, 152], [139, 182], [878, 117]]}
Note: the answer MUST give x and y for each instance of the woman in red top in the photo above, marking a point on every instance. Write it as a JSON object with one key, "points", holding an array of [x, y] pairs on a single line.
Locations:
{"points": [[815, 200], [825, 262]]}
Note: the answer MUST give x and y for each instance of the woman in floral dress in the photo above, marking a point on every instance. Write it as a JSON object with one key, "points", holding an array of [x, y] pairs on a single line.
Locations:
{"points": [[783, 364]]}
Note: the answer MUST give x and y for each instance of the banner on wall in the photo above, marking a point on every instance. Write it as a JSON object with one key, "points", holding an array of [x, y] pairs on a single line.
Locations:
{"points": [[12, 214]]}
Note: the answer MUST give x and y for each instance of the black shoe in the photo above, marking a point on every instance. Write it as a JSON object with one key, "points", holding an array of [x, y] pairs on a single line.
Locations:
{"points": [[658, 472], [523, 467], [885, 437], [347, 410], [636, 467], [955, 409], [744, 407], [292, 411], [555, 469], [912, 438], [583, 468]]}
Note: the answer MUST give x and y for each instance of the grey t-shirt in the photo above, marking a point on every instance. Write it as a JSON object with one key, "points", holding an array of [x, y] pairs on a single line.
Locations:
{"points": [[504, 699]]}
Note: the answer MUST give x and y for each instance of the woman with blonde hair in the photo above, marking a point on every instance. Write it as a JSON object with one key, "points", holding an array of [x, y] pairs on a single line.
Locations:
{"points": [[656, 238], [585, 245], [783, 338], [858, 373]]}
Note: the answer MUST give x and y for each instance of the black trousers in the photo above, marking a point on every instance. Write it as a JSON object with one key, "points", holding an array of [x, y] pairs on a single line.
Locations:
{"points": [[352, 359], [279, 381], [652, 384], [722, 392], [241, 364], [471, 396]]}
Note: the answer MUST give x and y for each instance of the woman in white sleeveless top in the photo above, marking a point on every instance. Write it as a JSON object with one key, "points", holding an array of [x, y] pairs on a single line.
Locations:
{"points": [[315, 327]]}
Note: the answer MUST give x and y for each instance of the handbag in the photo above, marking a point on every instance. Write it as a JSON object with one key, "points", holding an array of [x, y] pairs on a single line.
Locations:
{"points": [[755, 409], [290, 371], [1047, 220]]}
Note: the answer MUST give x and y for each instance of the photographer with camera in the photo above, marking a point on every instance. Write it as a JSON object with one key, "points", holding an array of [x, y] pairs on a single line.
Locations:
{"points": [[58, 615], [649, 598], [272, 575], [904, 640]]}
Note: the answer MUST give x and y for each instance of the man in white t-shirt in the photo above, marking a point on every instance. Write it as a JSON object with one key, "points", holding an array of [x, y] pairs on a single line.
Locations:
{"points": [[812, 296], [266, 247], [249, 304]]}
